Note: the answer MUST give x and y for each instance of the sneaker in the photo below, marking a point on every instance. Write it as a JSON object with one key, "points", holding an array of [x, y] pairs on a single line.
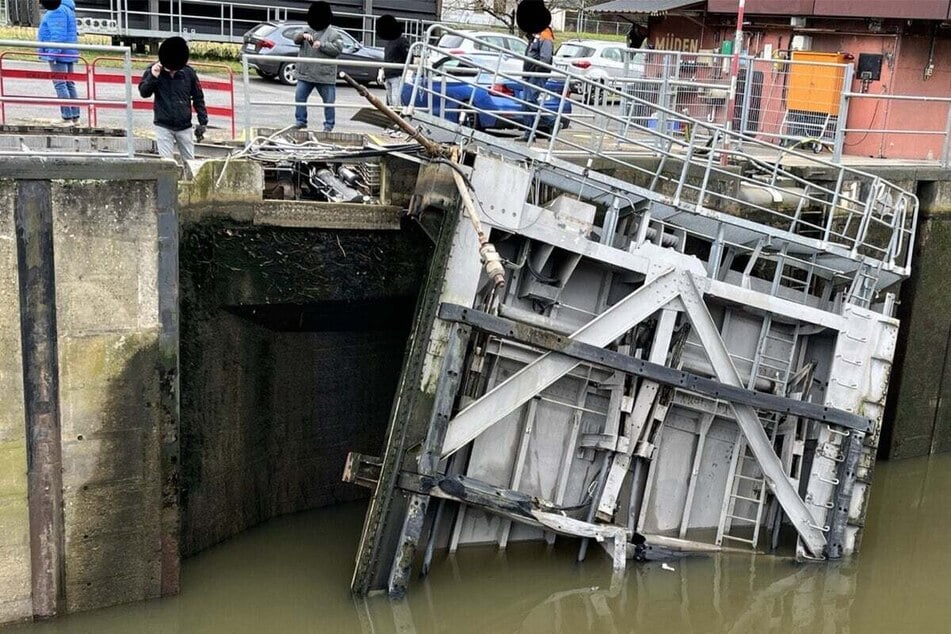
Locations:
{"points": [[300, 126], [328, 128]]}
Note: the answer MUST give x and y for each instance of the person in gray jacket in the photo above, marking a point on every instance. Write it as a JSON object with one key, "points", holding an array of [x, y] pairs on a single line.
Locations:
{"points": [[319, 41]]}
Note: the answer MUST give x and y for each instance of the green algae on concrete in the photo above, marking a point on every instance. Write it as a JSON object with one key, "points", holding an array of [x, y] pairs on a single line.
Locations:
{"points": [[15, 574], [921, 402]]}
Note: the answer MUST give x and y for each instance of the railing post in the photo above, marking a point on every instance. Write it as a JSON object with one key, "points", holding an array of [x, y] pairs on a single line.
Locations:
{"points": [[663, 99], [246, 78], [556, 127], [842, 121], [747, 98], [946, 150], [129, 114]]}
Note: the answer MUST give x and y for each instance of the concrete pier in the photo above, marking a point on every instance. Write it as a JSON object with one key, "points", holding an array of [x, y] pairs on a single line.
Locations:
{"points": [[89, 426]]}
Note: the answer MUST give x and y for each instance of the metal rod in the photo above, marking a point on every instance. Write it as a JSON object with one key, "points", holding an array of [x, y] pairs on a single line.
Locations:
{"points": [[432, 148]]}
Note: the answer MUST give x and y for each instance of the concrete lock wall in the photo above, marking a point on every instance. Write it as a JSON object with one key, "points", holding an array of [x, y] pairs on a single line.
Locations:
{"points": [[88, 385], [295, 318], [918, 421]]}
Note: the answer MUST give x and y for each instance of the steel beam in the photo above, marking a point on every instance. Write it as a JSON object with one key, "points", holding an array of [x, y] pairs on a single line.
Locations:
{"points": [[428, 461], [587, 353], [812, 535], [508, 396]]}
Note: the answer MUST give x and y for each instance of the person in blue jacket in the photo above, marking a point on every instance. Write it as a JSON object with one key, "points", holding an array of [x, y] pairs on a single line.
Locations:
{"points": [[59, 25]]}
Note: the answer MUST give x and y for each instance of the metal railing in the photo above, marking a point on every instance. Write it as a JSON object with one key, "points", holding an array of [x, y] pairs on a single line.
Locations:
{"points": [[218, 21], [899, 127], [860, 216], [250, 102], [126, 104], [782, 101]]}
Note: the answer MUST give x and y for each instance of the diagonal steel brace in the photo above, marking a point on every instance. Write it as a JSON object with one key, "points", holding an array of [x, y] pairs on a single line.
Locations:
{"points": [[528, 382], [812, 535]]}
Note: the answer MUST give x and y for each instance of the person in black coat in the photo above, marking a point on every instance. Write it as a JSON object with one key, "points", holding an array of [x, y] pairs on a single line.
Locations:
{"points": [[395, 51], [176, 89]]}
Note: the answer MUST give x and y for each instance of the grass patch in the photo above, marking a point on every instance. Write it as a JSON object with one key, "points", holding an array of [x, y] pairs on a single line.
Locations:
{"points": [[208, 52]]}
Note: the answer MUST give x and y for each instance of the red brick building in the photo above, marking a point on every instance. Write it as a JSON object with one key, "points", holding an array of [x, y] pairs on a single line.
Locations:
{"points": [[910, 39]]}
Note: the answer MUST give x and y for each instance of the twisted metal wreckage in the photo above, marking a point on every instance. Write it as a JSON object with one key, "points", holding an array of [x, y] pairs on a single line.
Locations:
{"points": [[677, 344]]}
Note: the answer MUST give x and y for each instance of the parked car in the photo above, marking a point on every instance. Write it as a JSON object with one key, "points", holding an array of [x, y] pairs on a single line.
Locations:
{"points": [[494, 104], [478, 43], [277, 39], [600, 61]]}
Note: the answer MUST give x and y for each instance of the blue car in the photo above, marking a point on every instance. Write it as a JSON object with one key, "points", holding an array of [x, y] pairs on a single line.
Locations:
{"points": [[488, 103]]}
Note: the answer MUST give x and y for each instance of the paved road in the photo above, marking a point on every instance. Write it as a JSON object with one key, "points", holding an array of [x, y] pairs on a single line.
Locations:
{"points": [[263, 93]]}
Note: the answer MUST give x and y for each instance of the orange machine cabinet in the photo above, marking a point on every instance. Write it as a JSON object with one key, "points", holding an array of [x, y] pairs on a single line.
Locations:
{"points": [[816, 88]]}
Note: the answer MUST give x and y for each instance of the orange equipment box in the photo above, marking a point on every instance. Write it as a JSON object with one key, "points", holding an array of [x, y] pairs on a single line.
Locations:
{"points": [[814, 88]]}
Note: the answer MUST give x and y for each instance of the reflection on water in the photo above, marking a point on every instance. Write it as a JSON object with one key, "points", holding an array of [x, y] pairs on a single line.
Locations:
{"points": [[292, 574]]}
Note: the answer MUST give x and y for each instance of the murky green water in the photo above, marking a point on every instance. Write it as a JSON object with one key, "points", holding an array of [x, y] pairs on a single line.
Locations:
{"points": [[291, 575]]}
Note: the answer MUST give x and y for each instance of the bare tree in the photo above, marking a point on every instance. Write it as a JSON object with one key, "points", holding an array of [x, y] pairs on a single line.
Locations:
{"points": [[504, 10]]}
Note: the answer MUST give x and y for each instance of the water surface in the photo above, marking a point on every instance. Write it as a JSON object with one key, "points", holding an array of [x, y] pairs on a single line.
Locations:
{"points": [[292, 574]]}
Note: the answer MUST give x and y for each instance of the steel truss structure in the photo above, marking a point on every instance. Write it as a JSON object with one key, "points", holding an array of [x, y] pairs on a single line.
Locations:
{"points": [[658, 369]]}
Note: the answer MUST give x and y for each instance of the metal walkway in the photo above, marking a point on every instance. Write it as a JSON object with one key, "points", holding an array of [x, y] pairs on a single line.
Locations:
{"points": [[691, 347]]}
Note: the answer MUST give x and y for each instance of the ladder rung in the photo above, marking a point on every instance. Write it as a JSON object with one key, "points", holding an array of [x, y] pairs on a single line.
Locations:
{"points": [[748, 520], [743, 497], [740, 539], [780, 338], [751, 478]]}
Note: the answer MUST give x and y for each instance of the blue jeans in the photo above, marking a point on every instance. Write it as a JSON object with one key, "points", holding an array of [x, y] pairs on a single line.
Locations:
{"points": [[65, 89], [328, 94], [531, 94]]}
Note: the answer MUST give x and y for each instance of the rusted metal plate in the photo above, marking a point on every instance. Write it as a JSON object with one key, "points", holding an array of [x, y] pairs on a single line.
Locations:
{"points": [[772, 7]]}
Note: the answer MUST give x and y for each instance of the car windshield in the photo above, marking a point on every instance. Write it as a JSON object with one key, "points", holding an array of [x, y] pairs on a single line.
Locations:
{"points": [[348, 40], [574, 50], [262, 30], [450, 41]]}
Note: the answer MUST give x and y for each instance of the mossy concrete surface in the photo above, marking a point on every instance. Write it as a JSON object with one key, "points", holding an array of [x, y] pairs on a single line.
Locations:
{"points": [[106, 246], [15, 577], [919, 419], [117, 384]]}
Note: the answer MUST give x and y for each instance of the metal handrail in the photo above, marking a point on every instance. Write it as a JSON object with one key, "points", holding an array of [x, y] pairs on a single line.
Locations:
{"points": [[614, 132], [229, 28]]}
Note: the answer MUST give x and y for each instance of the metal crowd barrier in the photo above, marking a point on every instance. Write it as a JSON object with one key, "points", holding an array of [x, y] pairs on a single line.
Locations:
{"points": [[89, 102], [209, 84]]}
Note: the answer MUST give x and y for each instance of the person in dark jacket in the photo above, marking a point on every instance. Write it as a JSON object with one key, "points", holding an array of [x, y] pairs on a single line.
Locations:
{"points": [[176, 89], [636, 36], [319, 41], [535, 20], [59, 25], [395, 51]]}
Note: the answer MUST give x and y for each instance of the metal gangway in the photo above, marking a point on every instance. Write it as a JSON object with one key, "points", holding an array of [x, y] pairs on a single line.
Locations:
{"points": [[688, 349]]}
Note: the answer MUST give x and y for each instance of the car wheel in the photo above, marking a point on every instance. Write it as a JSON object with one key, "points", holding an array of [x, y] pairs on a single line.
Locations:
{"points": [[602, 95], [594, 92], [262, 74], [287, 75], [470, 119]]}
